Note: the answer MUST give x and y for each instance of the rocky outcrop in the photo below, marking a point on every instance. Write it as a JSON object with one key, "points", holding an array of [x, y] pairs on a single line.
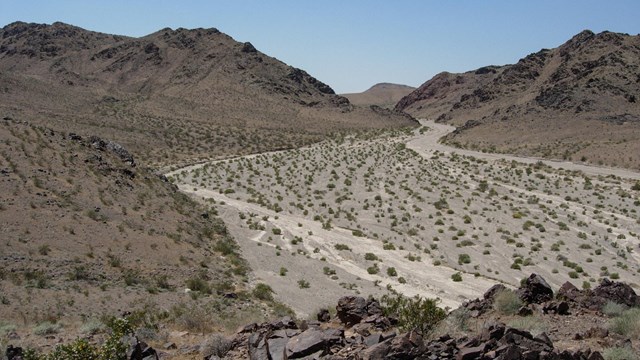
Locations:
{"points": [[535, 290], [607, 291], [361, 331]]}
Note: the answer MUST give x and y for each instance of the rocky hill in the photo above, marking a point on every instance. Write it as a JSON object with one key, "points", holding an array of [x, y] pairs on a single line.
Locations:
{"points": [[385, 95], [87, 232], [576, 102], [172, 95]]}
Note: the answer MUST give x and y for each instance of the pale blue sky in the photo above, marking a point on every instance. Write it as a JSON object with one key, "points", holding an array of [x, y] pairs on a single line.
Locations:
{"points": [[353, 44]]}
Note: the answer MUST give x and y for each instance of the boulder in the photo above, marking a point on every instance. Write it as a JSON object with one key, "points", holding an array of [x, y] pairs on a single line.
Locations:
{"points": [[258, 349], [617, 292], [139, 350], [556, 307], [323, 315], [313, 341], [351, 309], [13, 353], [535, 290]]}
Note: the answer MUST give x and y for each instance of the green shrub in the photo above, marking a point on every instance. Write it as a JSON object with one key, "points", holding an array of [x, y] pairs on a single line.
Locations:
{"points": [[507, 302], [392, 271], [464, 259], [342, 247], [283, 271], [373, 270], [199, 284], [371, 257], [457, 277], [263, 292], [418, 313], [303, 284]]}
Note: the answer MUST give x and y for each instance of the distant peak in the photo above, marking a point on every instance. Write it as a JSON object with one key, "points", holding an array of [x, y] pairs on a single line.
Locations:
{"points": [[581, 37], [384, 85]]}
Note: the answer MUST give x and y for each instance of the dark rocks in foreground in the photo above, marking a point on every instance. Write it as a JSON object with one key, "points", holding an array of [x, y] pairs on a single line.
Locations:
{"points": [[359, 330]]}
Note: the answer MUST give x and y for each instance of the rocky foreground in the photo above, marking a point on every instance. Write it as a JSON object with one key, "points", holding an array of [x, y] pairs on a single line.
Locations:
{"points": [[360, 329]]}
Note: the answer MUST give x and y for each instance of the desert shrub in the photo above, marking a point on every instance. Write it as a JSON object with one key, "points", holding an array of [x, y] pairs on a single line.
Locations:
{"points": [[373, 270], [371, 257], [418, 313], [303, 284], [283, 271], [92, 327], [216, 345], [456, 277], [532, 324], [199, 284], [6, 328], [263, 292], [47, 328], [627, 324], [612, 309], [392, 271], [619, 353], [464, 259], [342, 247], [507, 302]]}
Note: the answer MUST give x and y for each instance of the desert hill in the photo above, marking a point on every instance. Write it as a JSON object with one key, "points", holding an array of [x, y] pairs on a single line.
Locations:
{"points": [[385, 95], [172, 95], [87, 232], [576, 102]]}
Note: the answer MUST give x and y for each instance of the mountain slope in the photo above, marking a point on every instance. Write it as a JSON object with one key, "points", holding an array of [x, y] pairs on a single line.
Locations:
{"points": [[385, 95], [86, 232], [172, 95], [577, 102]]}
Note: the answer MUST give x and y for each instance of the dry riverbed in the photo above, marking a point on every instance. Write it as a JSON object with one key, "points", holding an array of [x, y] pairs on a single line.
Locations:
{"points": [[398, 210]]}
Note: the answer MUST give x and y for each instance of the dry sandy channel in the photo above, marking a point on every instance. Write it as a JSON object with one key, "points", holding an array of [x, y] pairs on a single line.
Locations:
{"points": [[269, 253]]}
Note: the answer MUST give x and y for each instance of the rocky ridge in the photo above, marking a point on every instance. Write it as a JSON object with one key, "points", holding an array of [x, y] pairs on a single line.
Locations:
{"points": [[554, 102]]}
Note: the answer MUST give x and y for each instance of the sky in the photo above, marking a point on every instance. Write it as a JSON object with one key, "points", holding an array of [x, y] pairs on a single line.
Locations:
{"points": [[354, 44]]}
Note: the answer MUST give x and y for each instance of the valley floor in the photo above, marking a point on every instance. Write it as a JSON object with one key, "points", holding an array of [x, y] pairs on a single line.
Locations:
{"points": [[368, 213]]}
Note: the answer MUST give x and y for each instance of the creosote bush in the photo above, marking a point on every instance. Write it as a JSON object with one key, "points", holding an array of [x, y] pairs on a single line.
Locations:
{"points": [[417, 312]]}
